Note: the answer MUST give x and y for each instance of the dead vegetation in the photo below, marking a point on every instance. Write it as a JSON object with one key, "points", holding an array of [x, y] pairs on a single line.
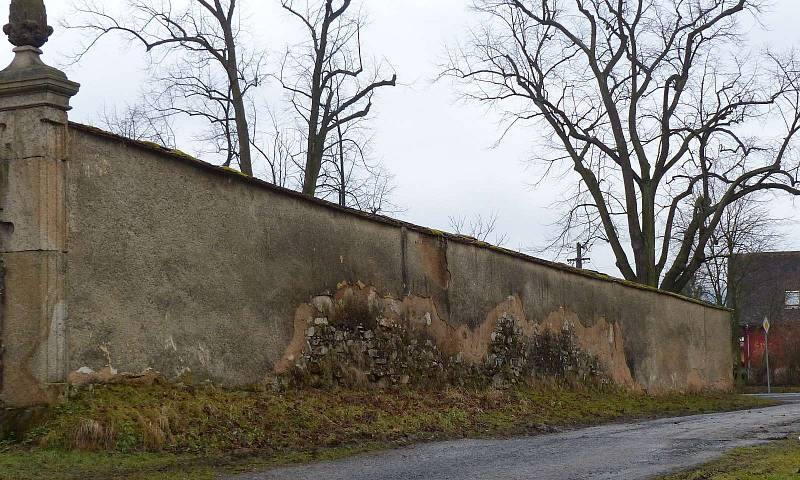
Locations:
{"points": [[208, 420], [91, 435]]}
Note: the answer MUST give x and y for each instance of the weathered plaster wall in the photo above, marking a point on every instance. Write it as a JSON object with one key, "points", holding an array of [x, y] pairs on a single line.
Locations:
{"points": [[182, 267]]}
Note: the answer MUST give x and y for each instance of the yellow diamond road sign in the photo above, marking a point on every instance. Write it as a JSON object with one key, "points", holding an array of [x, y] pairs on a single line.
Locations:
{"points": [[766, 325]]}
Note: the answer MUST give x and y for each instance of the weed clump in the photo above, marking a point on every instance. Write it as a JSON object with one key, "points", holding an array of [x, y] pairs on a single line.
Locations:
{"points": [[91, 435]]}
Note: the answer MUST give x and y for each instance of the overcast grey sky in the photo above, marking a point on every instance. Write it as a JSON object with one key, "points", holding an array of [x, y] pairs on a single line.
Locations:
{"points": [[440, 149]]}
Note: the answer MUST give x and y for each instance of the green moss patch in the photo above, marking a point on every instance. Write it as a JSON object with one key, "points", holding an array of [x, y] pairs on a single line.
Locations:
{"points": [[776, 461]]}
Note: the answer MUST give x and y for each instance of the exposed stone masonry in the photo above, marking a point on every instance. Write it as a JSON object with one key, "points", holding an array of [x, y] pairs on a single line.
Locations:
{"points": [[373, 350], [387, 355]]}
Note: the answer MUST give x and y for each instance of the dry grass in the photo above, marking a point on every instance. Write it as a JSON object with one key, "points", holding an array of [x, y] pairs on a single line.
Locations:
{"points": [[91, 435], [154, 431], [211, 420], [171, 433]]}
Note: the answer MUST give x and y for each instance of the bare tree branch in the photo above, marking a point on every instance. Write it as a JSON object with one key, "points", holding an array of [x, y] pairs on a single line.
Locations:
{"points": [[139, 122], [325, 79], [198, 44], [746, 227], [653, 105], [481, 228]]}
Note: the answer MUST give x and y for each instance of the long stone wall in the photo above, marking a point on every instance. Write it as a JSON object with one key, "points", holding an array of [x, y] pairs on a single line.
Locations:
{"points": [[174, 265]]}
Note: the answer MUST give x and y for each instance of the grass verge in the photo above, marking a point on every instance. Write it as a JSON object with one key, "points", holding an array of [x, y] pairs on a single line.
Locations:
{"points": [[775, 461], [172, 432]]}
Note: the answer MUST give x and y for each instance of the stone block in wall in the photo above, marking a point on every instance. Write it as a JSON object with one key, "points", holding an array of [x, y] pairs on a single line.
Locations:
{"points": [[16, 126], [32, 205]]}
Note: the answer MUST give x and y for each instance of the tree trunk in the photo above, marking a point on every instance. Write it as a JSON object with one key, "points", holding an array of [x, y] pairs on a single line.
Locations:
{"points": [[240, 112], [313, 166], [242, 131], [342, 189], [649, 275]]}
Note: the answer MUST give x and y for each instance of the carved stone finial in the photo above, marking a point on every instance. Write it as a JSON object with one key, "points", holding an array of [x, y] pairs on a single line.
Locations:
{"points": [[28, 24], [28, 82]]}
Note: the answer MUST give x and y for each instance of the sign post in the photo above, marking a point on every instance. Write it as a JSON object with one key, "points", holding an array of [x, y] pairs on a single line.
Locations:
{"points": [[765, 325]]}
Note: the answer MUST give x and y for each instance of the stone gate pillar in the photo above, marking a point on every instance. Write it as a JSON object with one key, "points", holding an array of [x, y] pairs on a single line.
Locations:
{"points": [[34, 99]]}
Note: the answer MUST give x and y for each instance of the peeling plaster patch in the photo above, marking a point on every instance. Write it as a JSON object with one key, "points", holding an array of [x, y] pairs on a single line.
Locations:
{"points": [[86, 376], [105, 350], [434, 256], [302, 318]]}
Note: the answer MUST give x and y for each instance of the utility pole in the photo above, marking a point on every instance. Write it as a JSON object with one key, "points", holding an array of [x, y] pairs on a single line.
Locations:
{"points": [[765, 325], [579, 259]]}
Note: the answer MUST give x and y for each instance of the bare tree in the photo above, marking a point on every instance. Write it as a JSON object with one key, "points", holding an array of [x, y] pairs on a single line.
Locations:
{"points": [[375, 194], [745, 227], [210, 76], [279, 148], [348, 151], [351, 177], [655, 106], [325, 79], [480, 228], [139, 122]]}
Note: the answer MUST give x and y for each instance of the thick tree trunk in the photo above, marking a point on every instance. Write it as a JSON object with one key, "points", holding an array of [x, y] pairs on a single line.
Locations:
{"points": [[342, 179], [649, 275], [242, 131], [313, 166], [240, 112], [316, 136]]}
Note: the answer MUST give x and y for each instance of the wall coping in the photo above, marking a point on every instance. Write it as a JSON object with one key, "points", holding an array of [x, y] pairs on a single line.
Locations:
{"points": [[462, 239]]}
